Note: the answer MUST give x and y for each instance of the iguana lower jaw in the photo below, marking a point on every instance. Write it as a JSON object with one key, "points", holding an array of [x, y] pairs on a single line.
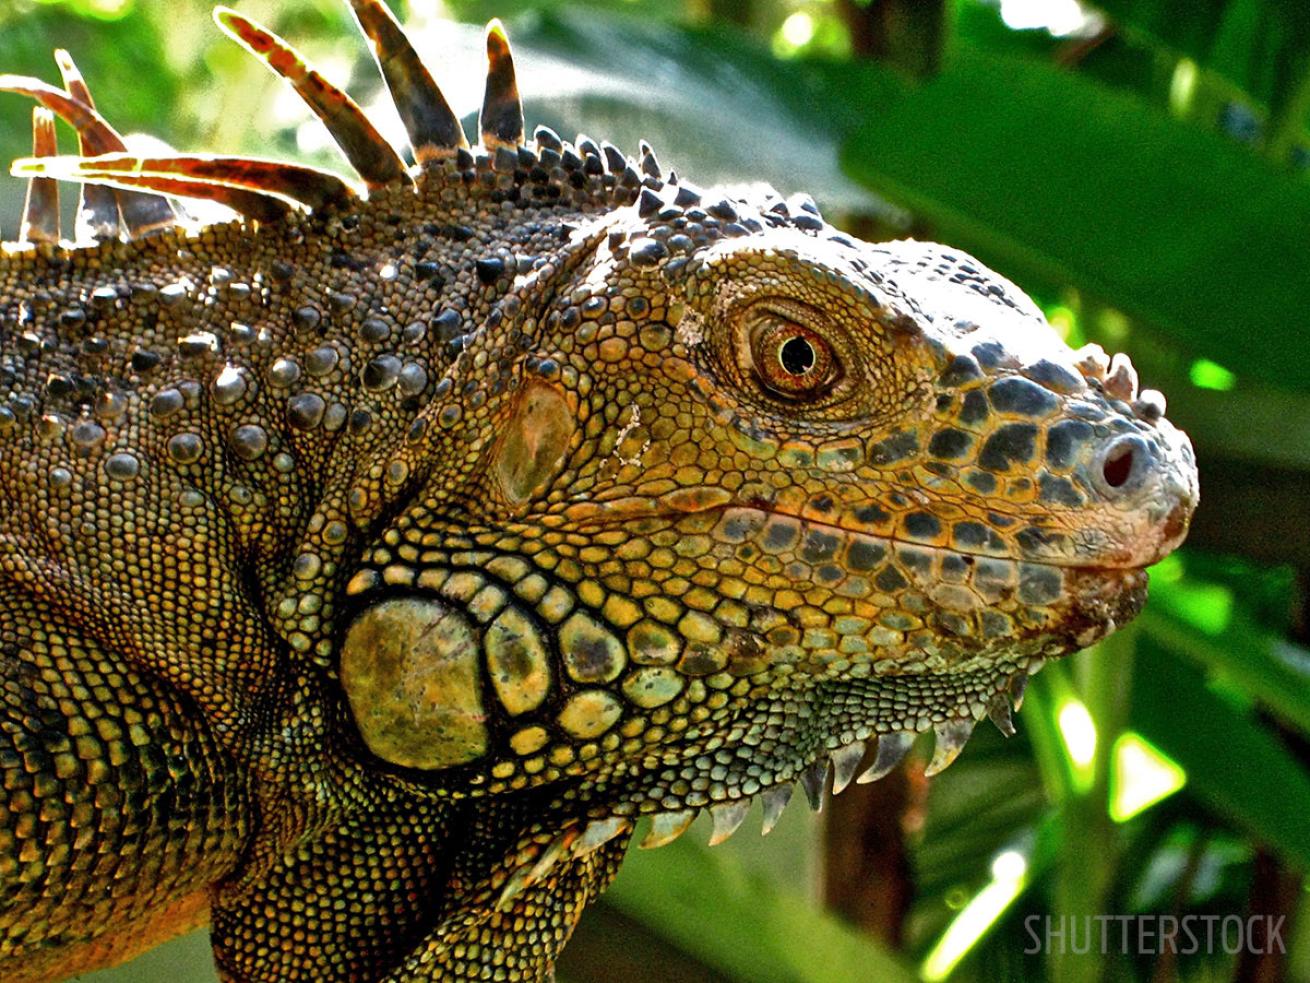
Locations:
{"points": [[854, 727]]}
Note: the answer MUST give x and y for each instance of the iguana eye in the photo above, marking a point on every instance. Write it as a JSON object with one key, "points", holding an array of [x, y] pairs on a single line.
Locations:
{"points": [[792, 361]]}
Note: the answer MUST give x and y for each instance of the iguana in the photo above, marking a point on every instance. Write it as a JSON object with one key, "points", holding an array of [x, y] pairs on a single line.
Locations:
{"points": [[373, 563]]}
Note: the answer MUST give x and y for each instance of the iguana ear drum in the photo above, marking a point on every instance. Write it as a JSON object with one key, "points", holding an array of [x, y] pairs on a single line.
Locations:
{"points": [[410, 668], [535, 444]]}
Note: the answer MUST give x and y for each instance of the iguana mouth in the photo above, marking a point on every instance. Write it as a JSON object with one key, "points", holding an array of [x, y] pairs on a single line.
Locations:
{"points": [[634, 510], [1089, 598]]}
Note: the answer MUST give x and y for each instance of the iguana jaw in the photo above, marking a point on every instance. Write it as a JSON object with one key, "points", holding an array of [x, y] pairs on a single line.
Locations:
{"points": [[832, 728], [856, 722], [843, 728]]}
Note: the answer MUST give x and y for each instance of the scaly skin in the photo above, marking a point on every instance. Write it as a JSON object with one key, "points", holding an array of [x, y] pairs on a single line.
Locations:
{"points": [[368, 572]]}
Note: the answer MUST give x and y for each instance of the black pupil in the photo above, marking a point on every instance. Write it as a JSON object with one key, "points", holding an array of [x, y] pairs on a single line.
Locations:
{"points": [[797, 355]]}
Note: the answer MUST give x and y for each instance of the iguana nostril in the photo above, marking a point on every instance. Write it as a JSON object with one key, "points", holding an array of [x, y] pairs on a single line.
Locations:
{"points": [[1118, 466], [1124, 465]]}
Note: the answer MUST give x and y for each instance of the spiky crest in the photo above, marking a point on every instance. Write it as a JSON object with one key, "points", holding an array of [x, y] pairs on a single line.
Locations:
{"points": [[41, 211], [118, 182], [375, 160], [434, 130]]}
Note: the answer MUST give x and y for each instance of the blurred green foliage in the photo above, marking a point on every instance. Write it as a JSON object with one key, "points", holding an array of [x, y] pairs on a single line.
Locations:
{"points": [[1145, 175]]}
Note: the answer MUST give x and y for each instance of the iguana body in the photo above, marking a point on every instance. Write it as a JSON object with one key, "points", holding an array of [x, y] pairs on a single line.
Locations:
{"points": [[367, 572]]}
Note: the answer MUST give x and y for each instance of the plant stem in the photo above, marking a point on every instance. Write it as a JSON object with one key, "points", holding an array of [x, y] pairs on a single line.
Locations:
{"points": [[1087, 865]]}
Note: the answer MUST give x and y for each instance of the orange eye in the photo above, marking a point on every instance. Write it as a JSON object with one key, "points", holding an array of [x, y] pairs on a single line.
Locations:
{"points": [[792, 361]]}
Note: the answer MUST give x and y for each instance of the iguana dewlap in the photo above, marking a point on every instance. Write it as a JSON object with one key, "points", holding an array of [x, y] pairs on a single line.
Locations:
{"points": [[372, 564]]}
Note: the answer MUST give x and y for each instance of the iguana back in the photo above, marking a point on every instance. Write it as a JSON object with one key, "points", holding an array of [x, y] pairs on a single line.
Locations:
{"points": [[373, 563]]}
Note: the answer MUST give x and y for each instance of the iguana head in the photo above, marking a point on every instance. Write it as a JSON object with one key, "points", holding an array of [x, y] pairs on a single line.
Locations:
{"points": [[768, 488], [713, 492], [752, 493]]}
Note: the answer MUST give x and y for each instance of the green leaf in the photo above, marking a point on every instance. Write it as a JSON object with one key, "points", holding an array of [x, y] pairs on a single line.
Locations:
{"points": [[1233, 763], [1040, 717], [1260, 45], [1269, 668], [1207, 415]]}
